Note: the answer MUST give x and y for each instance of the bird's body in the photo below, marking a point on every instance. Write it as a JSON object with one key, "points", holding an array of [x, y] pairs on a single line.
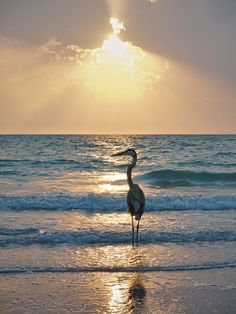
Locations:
{"points": [[136, 201], [135, 196]]}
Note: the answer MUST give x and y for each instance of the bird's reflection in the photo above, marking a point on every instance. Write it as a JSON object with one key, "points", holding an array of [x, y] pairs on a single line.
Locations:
{"points": [[136, 293], [127, 291]]}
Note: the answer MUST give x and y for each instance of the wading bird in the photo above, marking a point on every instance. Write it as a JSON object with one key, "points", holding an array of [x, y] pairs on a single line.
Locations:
{"points": [[135, 196]]}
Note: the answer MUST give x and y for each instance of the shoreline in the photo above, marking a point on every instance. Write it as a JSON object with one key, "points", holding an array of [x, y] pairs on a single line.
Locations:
{"points": [[147, 269]]}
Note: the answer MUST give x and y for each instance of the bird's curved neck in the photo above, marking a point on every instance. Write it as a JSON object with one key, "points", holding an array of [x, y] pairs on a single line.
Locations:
{"points": [[129, 171]]}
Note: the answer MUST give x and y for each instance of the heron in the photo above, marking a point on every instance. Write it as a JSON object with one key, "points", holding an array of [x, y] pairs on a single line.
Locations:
{"points": [[135, 196]]}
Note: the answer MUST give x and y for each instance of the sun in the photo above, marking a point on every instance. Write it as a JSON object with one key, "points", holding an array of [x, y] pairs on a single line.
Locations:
{"points": [[118, 71], [113, 44]]}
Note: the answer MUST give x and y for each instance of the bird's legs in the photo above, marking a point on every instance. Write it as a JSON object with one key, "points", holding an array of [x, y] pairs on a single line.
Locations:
{"points": [[132, 230], [137, 232]]}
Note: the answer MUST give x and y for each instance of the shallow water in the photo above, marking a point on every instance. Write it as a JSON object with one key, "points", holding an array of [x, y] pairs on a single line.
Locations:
{"points": [[63, 205]]}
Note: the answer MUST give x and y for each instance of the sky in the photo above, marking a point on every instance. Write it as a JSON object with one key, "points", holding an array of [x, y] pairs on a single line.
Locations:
{"points": [[117, 66]]}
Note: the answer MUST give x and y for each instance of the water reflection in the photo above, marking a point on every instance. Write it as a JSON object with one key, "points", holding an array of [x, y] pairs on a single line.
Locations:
{"points": [[113, 182], [136, 290], [126, 292], [117, 282], [137, 293]]}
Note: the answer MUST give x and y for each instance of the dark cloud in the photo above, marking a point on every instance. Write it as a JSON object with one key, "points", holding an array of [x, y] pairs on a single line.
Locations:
{"points": [[75, 21], [197, 33]]}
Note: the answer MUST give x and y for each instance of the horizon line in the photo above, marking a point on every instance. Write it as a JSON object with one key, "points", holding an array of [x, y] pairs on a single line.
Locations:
{"points": [[2, 134]]}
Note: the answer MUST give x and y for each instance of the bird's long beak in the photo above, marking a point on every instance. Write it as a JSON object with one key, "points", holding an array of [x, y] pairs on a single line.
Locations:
{"points": [[118, 154]]}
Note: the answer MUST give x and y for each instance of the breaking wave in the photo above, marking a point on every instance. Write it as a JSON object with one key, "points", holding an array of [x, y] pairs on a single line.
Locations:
{"points": [[93, 202]]}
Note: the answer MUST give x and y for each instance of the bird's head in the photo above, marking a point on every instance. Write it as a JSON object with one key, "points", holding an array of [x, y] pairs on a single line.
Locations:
{"points": [[129, 152]]}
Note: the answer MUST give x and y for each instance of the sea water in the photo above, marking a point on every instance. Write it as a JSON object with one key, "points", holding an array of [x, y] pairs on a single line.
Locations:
{"points": [[63, 203]]}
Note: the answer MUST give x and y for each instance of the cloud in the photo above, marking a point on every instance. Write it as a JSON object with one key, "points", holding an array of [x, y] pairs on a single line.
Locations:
{"points": [[49, 86], [32, 86], [107, 62], [57, 77]]}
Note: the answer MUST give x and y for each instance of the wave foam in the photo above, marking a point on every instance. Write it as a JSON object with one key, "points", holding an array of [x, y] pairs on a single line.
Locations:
{"points": [[109, 203]]}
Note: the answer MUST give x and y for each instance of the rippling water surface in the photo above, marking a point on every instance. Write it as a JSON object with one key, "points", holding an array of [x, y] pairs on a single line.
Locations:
{"points": [[64, 199]]}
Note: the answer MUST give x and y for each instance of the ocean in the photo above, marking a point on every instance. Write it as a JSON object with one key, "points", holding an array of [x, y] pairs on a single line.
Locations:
{"points": [[63, 204]]}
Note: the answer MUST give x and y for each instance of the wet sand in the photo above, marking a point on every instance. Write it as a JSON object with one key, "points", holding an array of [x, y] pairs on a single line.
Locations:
{"points": [[201, 291]]}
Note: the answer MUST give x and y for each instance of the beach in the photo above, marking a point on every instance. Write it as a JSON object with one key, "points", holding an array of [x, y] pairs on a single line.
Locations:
{"points": [[66, 237], [207, 291]]}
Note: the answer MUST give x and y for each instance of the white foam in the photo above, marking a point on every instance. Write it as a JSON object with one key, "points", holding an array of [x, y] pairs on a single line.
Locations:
{"points": [[109, 203]]}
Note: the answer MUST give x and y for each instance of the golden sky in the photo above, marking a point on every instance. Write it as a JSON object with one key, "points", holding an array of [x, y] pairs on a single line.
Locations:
{"points": [[107, 66]]}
